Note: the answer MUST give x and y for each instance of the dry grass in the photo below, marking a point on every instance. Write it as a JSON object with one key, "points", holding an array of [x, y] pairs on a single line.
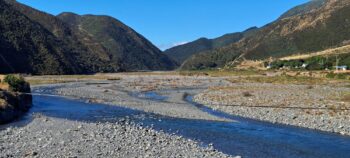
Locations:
{"points": [[2, 104], [280, 80], [222, 73], [46, 81], [38, 80], [333, 51], [241, 76], [251, 64], [4, 86]]}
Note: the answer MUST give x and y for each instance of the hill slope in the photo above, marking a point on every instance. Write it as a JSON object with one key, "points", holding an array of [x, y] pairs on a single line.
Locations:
{"points": [[183, 52], [321, 28], [122, 44], [304, 8], [36, 42], [26, 46]]}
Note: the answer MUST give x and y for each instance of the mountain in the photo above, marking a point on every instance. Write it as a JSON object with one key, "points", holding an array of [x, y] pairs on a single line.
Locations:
{"points": [[36, 42], [183, 52], [86, 59], [304, 8], [122, 44], [299, 31], [26, 46]]}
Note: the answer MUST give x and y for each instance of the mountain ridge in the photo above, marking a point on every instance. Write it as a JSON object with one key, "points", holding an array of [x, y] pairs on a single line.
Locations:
{"points": [[68, 50], [319, 29], [182, 52]]}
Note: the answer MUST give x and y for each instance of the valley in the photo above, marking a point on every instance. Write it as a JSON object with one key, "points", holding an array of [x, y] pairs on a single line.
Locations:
{"points": [[168, 113], [80, 84]]}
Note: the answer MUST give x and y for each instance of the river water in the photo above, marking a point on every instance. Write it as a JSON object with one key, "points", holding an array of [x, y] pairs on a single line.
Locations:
{"points": [[245, 137]]}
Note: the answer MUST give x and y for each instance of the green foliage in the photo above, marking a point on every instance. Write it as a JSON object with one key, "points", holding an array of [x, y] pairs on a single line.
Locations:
{"points": [[314, 63], [341, 76], [17, 83], [293, 64], [331, 75]]}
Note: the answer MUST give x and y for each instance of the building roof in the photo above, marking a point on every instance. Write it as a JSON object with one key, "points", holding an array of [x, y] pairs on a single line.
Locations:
{"points": [[340, 67]]}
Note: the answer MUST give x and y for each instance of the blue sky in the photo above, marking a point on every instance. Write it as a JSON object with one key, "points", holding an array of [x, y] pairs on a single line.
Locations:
{"points": [[170, 22]]}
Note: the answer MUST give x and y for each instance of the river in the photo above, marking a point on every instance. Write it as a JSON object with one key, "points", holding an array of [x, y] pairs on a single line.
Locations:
{"points": [[245, 137]]}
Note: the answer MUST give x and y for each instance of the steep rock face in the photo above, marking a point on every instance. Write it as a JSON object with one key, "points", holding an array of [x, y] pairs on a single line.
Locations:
{"points": [[183, 52], [323, 27], [122, 44]]}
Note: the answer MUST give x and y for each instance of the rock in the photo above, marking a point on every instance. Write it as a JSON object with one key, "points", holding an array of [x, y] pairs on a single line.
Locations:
{"points": [[31, 153]]}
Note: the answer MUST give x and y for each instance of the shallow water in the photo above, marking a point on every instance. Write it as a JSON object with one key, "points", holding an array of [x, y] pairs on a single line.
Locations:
{"points": [[246, 137]]}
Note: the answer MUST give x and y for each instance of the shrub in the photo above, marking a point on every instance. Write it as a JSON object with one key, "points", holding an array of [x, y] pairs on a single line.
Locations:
{"points": [[331, 75], [114, 79], [337, 76], [309, 87], [247, 94], [341, 76], [17, 83]]}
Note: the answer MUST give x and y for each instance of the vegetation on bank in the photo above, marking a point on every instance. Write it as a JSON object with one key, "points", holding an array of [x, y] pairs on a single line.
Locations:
{"points": [[14, 97], [221, 73], [313, 63], [282, 79], [15, 83]]}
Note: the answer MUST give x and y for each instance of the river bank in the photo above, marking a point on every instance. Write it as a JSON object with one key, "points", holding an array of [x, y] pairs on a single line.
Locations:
{"points": [[54, 137], [320, 107], [304, 103], [14, 98]]}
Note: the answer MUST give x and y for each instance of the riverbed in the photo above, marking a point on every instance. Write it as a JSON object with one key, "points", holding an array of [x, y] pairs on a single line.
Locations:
{"points": [[220, 133]]}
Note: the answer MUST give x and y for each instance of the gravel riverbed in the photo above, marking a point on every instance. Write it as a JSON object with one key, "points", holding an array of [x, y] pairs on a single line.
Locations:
{"points": [[316, 107], [48, 136], [121, 92], [311, 106], [52, 137]]}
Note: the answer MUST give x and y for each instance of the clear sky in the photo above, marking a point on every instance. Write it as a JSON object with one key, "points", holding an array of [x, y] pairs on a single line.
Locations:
{"points": [[170, 22]]}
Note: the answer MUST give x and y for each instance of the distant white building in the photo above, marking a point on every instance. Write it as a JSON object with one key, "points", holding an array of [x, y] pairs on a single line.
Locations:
{"points": [[342, 68], [304, 65]]}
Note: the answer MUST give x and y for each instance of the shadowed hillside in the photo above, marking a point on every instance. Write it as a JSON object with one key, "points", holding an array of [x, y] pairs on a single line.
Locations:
{"points": [[121, 43], [36, 42]]}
